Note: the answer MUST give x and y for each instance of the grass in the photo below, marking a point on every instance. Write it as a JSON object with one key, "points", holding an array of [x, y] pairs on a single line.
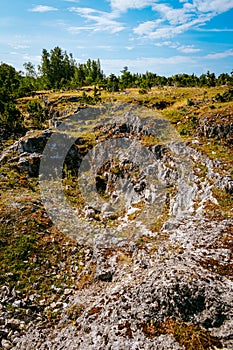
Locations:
{"points": [[191, 337], [32, 249], [223, 209]]}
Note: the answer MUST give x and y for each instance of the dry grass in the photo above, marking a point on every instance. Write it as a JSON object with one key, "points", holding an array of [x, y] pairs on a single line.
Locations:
{"points": [[190, 336]]}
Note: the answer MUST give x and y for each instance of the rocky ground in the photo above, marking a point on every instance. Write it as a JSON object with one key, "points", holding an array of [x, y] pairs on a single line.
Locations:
{"points": [[155, 271]]}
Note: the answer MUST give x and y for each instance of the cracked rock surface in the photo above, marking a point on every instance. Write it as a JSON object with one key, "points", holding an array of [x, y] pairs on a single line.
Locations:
{"points": [[150, 280]]}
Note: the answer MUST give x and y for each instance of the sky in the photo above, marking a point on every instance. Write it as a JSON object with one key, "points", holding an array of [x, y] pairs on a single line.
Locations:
{"points": [[161, 36]]}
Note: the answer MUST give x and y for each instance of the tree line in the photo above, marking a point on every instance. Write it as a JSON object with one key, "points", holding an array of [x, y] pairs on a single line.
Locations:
{"points": [[58, 70]]}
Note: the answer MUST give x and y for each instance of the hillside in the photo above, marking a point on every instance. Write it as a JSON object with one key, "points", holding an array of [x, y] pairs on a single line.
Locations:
{"points": [[138, 255]]}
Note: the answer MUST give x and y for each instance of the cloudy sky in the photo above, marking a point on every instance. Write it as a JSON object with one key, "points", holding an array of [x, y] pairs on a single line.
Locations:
{"points": [[162, 36]]}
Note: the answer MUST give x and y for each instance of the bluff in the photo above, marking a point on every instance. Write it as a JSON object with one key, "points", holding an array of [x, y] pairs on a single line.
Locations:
{"points": [[152, 216]]}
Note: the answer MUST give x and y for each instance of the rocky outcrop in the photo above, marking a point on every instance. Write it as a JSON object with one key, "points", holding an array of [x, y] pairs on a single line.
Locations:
{"points": [[135, 298], [160, 271], [218, 127]]}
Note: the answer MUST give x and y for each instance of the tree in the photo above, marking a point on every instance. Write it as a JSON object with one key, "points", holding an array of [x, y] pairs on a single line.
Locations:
{"points": [[211, 79], [28, 82], [9, 82], [10, 117], [36, 113], [125, 78], [112, 83], [57, 68], [224, 79], [30, 70], [202, 80]]}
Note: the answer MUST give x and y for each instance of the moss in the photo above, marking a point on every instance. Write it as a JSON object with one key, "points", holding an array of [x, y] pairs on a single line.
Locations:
{"points": [[224, 241], [86, 278], [161, 219], [75, 311], [223, 208], [94, 311], [190, 336], [126, 327], [149, 140]]}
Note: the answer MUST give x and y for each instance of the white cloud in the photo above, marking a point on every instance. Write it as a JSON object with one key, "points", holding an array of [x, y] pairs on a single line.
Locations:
{"points": [[146, 28], [175, 16], [217, 6], [20, 46], [218, 55], [26, 57], [220, 30], [178, 46], [43, 8], [166, 43], [102, 21], [188, 49], [175, 21], [124, 5], [79, 29], [159, 65], [104, 47], [164, 32]]}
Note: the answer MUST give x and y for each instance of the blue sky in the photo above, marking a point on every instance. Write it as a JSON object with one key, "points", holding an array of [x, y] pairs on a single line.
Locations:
{"points": [[164, 37]]}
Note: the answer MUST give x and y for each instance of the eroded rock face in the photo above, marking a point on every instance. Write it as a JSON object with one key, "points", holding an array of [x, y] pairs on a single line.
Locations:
{"points": [[218, 130], [155, 286], [147, 286]]}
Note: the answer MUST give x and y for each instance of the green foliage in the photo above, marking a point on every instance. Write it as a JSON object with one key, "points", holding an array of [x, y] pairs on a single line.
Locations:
{"points": [[125, 78], [11, 117], [37, 113], [57, 68], [142, 91], [112, 83], [190, 102], [227, 96], [224, 79], [9, 82]]}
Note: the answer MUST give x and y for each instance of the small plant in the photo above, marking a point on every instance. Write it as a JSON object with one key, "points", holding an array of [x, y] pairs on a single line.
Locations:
{"points": [[190, 336], [142, 91], [190, 102], [227, 96], [212, 106], [36, 113], [205, 94], [75, 311]]}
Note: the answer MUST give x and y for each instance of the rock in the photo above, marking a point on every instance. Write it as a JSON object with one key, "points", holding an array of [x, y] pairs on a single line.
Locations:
{"points": [[30, 163], [13, 324], [3, 333], [225, 183], [210, 129], [6, 344], [34, 143], [108, 212], [135, 292], [17, 303]]}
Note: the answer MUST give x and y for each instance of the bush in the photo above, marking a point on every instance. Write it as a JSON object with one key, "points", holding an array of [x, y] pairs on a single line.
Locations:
{"points": [[10, 117], [190, 102], [227, 96], [142, 91], [36, 113]]}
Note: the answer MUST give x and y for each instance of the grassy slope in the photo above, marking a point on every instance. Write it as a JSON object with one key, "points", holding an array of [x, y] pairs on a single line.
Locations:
{"points": [[31, 248], [25, 228]]}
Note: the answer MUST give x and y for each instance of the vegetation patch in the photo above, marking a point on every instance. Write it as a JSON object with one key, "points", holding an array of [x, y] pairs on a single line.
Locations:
{"points": [[223, 208], [192, 337]]}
